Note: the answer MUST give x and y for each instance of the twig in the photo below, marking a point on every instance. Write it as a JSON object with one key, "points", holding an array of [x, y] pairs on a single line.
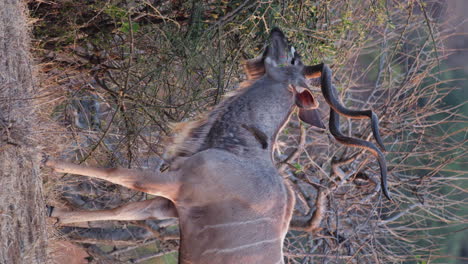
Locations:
{"points": [[295, 154]]}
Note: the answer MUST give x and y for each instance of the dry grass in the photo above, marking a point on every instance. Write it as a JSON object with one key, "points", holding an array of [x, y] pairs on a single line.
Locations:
{"points": [[22, 217]]}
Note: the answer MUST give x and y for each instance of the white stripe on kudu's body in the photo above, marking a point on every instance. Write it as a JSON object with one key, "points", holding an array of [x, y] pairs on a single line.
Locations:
{"points": [[232, 204], [234, 249], [237, 224]]}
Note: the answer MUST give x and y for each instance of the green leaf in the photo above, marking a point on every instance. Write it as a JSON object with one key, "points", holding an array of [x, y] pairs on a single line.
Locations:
{"points": [[126, 27], [298, 167]]}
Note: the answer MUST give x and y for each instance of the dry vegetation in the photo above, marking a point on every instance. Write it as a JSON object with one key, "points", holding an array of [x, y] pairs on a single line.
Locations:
{"points": [[115, 74], [22, 221]]}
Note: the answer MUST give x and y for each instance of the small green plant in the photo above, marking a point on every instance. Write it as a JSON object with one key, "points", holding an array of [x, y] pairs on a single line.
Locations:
{"points": [[298, 167], [126, 26]]}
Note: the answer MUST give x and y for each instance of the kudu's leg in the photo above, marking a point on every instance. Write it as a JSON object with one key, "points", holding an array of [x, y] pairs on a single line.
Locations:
{"points": [[153, 182], [157, 208]]}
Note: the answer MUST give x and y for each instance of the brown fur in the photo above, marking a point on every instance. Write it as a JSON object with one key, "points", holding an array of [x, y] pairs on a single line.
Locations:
{"points": [[254, 68]]}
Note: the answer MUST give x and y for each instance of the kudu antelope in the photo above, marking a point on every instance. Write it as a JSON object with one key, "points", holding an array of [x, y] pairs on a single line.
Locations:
{"points": [[222, 184]]}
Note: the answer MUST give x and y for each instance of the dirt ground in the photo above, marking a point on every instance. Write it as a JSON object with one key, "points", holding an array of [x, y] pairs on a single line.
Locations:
{"points": [[23, 236]]}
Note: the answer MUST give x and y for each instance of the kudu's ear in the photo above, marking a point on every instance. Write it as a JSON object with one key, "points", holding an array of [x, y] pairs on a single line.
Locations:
{"points": [[310, 114], [254, 68], [311, 117]]}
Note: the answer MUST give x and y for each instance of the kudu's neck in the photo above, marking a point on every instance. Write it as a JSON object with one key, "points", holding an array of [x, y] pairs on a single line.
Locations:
{"points": [[249, 123]]}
